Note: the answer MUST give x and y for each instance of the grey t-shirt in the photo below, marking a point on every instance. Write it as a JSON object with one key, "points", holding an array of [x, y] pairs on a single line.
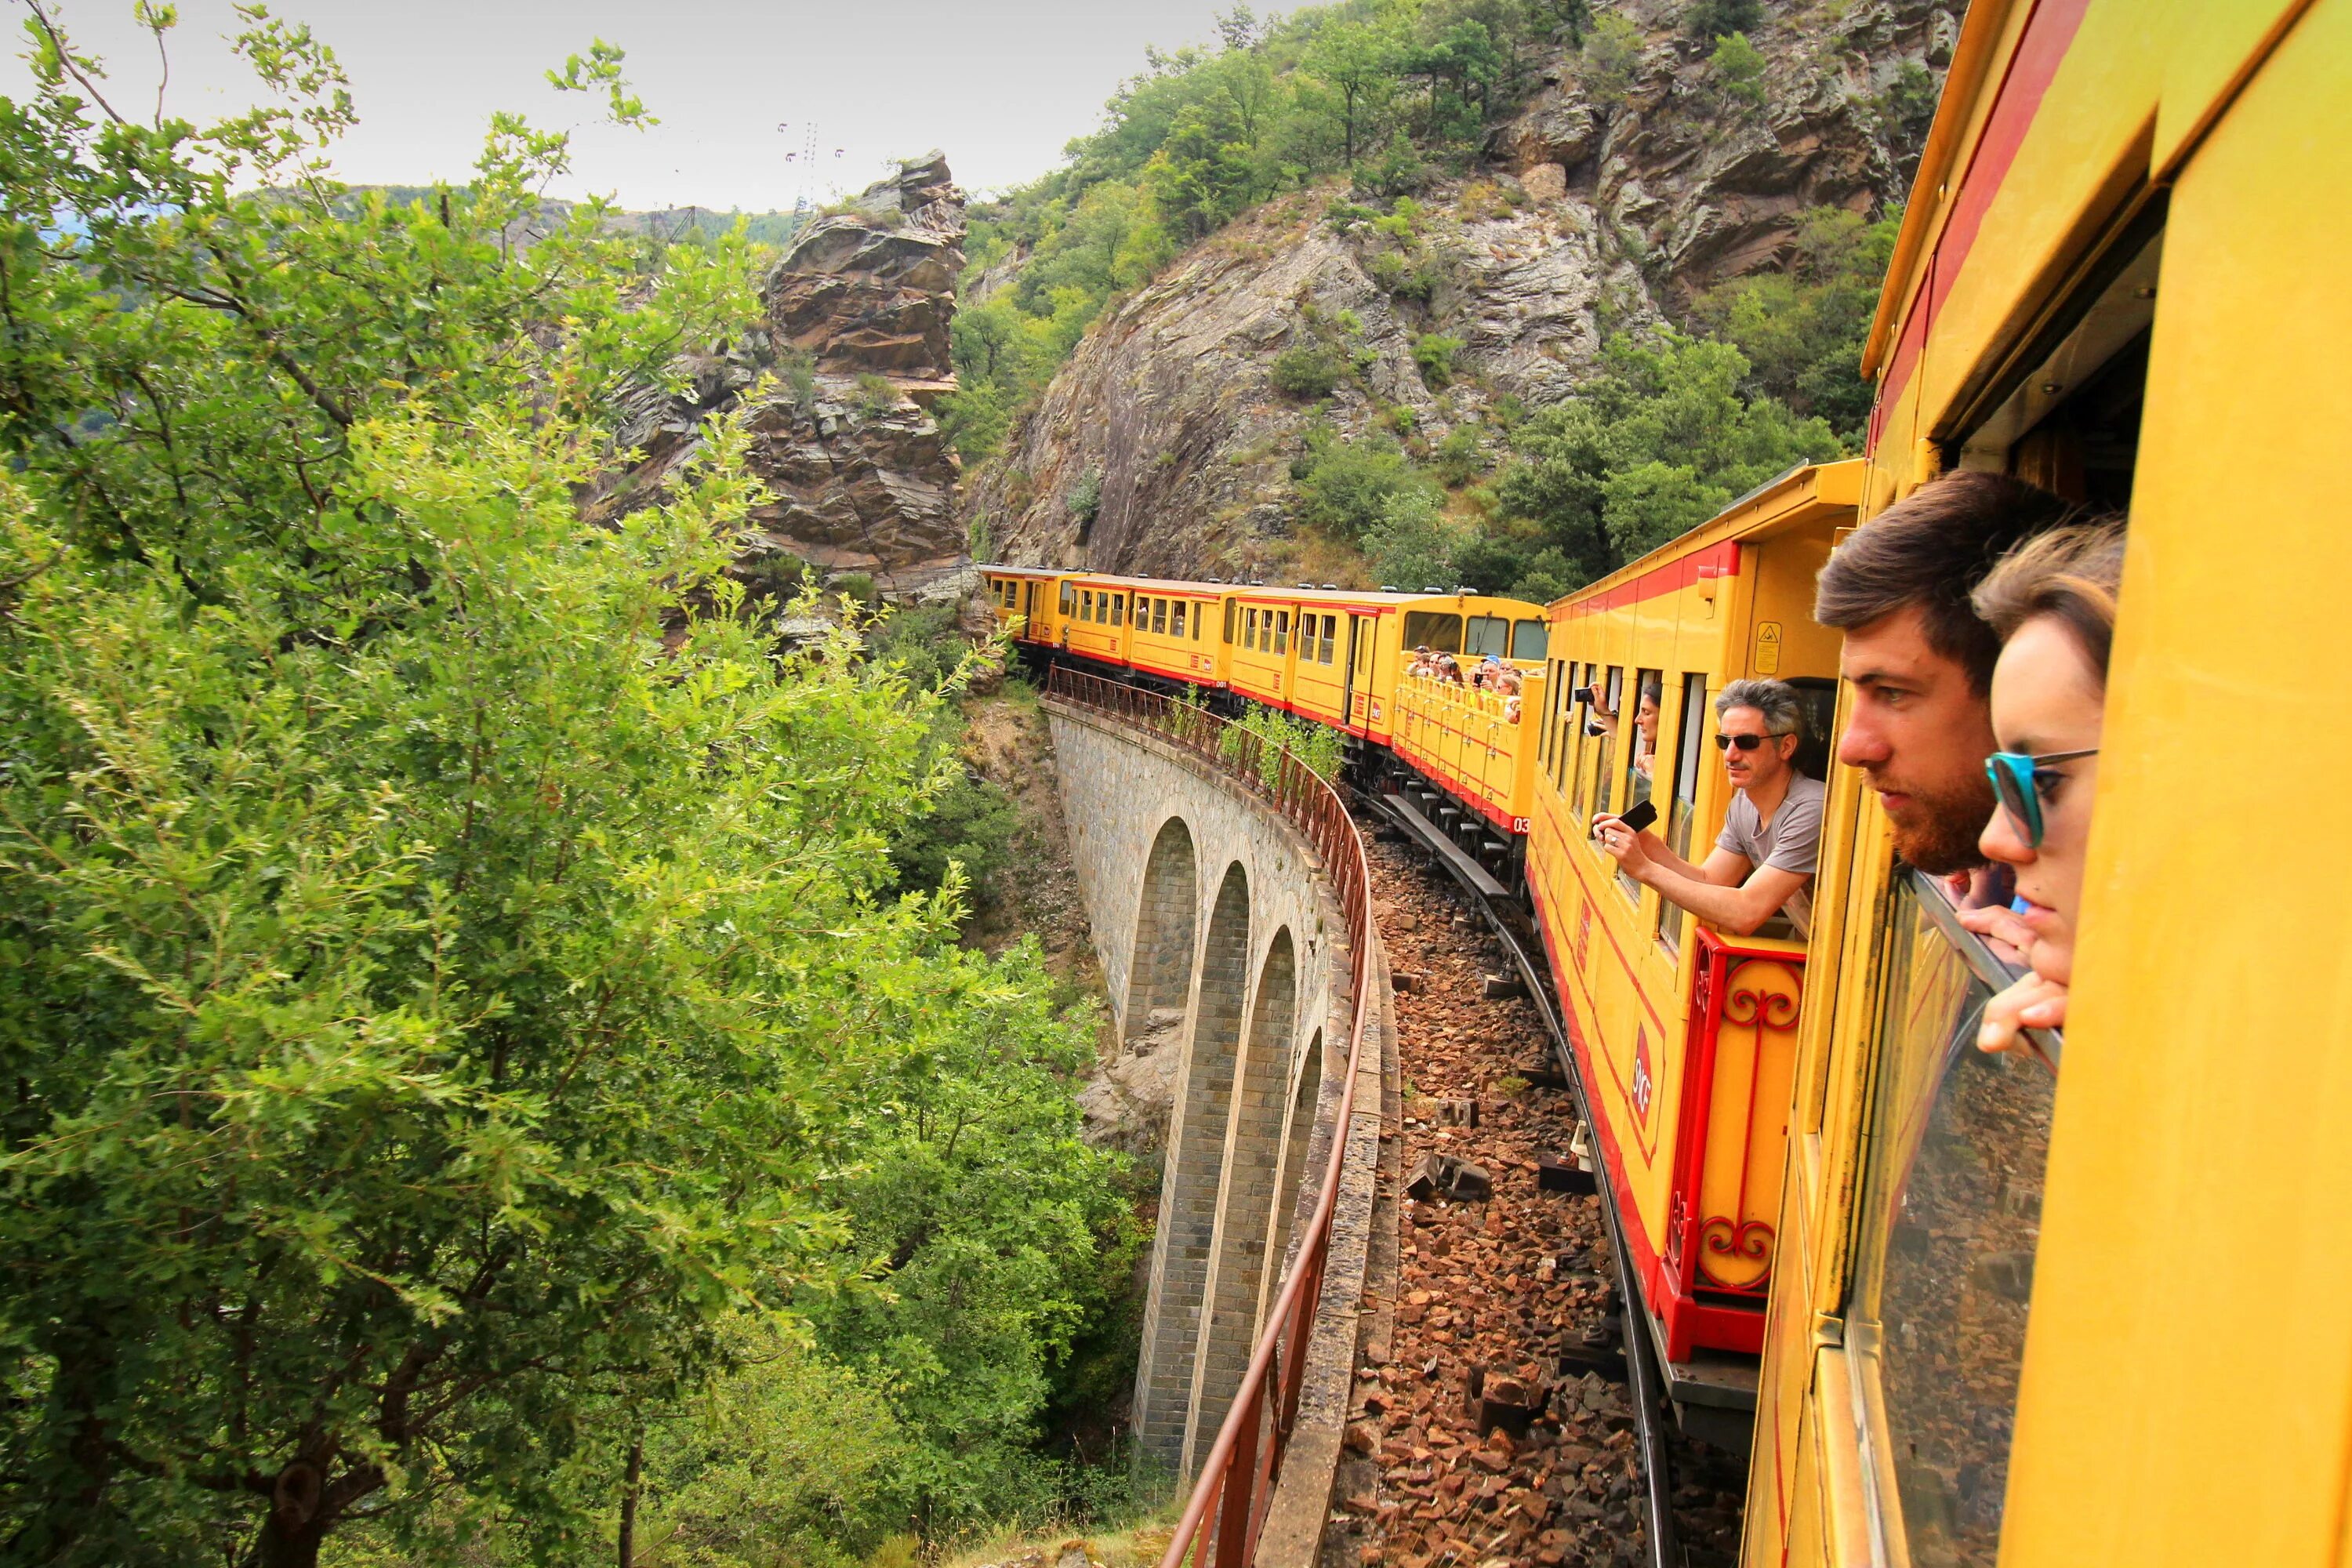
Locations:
{"points": [[1793, 843]]}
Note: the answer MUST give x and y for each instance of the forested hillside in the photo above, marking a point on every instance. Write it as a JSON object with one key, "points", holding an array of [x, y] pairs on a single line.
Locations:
{"points": [[1498, 292]]}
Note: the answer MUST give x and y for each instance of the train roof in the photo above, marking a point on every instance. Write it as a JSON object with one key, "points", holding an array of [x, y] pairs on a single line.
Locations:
{"points": [[1288, 595], [1776, 501]]}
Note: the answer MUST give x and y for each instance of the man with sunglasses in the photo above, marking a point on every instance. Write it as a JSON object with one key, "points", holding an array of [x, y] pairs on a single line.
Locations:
{"points": [[1762, 863]]}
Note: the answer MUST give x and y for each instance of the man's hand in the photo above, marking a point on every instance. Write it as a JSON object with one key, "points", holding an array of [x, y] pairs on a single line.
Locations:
{"points": [[1622, 843], [2032, 1002]]}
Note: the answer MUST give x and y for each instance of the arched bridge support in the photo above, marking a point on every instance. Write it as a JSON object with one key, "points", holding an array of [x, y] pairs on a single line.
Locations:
{"points": [[1203, 896]]}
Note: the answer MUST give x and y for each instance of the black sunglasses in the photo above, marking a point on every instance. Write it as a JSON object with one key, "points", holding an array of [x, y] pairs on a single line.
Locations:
{"points": [[1744, 743]]}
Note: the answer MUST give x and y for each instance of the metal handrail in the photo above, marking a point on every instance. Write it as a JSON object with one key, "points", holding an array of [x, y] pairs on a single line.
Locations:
{"points": [[1222, 1519]]}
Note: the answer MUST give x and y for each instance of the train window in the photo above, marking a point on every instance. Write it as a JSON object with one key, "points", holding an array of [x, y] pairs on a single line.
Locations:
{"points": [[1603, 726], [1118, 609], [1486, 635], [1641, 752], [1948, 1225], [1159, 617], [1528, 639], [1690, 748], [1282, 631], [1580, 716], [1438, 629], [1330, 640], [1069, 598], [1233, 612], [1176, 619]]}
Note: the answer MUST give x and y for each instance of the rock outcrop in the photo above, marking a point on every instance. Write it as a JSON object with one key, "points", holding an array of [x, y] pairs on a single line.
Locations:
{"points": [[1164, 446], [842, 370]]}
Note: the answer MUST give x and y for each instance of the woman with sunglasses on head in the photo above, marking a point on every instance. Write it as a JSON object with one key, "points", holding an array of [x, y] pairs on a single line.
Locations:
{"points": [[2053, 600]]}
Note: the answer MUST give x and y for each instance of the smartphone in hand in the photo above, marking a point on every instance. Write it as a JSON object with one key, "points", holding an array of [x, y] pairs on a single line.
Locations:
{"points": [[1639, 816]]}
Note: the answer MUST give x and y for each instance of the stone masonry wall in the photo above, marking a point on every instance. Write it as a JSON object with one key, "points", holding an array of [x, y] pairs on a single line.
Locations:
{"points": [[1263, 971]]}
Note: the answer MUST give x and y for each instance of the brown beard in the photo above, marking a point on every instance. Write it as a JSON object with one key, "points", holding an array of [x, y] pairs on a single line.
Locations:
{"points": [[1946, 841]]}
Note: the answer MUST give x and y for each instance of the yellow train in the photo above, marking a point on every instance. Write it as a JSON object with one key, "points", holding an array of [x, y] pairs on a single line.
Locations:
{"points": [[1985, 1311], [1336, 657]]}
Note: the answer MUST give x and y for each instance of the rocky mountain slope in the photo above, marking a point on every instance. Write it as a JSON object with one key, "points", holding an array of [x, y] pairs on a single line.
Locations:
{"points": [[854, 336], [1622, 191]]}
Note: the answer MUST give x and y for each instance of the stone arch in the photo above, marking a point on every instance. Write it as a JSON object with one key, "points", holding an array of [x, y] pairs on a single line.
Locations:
{"points": [[1167, 917], [1305, 1099], [1253, 1151], [1189, 1188]]}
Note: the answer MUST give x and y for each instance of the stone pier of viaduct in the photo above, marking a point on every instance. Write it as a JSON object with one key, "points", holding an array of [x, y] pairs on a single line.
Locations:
{"points": [[1204, 898]]}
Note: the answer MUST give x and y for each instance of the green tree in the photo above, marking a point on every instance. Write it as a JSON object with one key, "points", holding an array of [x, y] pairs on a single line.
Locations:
{"points": [[1613, 57], [1801, 328], [1654, 445], [1412, 546], [1345, 486], [440, 934], [1356, 63]]}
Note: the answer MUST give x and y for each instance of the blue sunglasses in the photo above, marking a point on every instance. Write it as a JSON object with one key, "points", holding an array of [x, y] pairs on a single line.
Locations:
{"points": [[2017, 784]]}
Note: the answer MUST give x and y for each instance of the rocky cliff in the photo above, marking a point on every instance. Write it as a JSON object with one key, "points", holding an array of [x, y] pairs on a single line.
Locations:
{"points": [[852, 347], [1610, 201]]}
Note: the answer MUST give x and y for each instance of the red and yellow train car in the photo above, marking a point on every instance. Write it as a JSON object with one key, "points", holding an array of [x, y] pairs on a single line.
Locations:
{"points": [[1684, 1036]]}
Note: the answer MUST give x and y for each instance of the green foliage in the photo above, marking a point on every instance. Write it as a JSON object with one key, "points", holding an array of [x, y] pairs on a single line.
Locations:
{"points": [[1660, 442], [1459, 458], [1318, 746], [876, 395], [1713, 19], [1908, 105], [1738, 68], [1307, 371], [1346, 485], [453, 981], [1612, 56], [1803, 329], [1433, 353], [1412, 547], [1086, 497]]}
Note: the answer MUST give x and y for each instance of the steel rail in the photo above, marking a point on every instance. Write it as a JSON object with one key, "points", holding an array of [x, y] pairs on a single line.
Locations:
{"points": [[1228, 1505]]}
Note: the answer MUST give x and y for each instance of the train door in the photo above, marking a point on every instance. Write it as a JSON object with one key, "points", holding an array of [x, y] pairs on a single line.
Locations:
{"points": [[1363, 659], [1029, 608]]}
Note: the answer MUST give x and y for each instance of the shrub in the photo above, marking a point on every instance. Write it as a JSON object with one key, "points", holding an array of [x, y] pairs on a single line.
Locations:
{"points": [[877, 394], [1713, 19], [1399, 277], [1348, 485], [1433, 353], [1410, 546], [1307, 372], [1459, 458], [1739, 67], [1612, 57], [1086, 497]]}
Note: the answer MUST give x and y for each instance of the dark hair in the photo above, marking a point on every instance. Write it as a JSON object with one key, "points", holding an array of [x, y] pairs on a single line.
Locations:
{"points": [[1931, 549], [2071, 574]]}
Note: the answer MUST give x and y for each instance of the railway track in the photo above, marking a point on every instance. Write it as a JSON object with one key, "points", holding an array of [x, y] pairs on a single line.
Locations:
{"points": [[1509, 1303]]}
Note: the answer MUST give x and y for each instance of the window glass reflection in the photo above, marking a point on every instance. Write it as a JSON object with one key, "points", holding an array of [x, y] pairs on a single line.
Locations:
{"points": [[1950, 1221]]}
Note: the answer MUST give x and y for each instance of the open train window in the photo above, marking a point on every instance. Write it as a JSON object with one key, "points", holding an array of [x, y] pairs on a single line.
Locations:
{"points": [[1603, 726], [1641, 753], [1069, 598], [2066, 413], [1690, 749], [1579, 720], [1437, 629]]}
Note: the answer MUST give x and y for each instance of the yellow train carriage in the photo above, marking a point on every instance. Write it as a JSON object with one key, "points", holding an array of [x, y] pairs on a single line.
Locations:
{"points": [[2097, 1315], [1683, 1036], [1175, 630], [1022, 600]]}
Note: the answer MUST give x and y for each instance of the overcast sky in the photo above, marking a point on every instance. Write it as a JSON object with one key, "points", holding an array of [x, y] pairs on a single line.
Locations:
{"points": [[999, 85]]}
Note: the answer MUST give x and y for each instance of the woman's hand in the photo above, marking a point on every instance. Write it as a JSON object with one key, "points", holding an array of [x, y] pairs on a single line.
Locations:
{"points": [[2010, 937], [2032, 1002]]}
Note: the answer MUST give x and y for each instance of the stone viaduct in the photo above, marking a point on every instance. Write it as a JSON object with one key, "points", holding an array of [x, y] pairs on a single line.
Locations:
{"points": [[1204, 898]]}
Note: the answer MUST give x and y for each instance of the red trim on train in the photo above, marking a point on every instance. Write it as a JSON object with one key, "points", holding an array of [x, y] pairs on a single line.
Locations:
{"points": [[2049, 33], [1700, 566]]}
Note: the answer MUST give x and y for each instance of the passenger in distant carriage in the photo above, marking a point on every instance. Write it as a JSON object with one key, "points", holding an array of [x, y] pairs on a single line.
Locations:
{"points": [[1919, 658], [1763, 864], [1645, 721], [1420, 669]]}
